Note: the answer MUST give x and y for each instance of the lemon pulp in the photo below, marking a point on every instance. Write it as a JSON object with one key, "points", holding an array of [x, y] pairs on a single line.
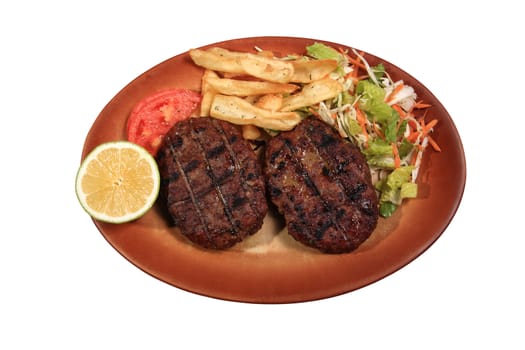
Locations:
{"points": [[117, 182]]}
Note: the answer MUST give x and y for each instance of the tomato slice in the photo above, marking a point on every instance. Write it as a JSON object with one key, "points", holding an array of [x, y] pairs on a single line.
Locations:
{"points": [[154, 116]]}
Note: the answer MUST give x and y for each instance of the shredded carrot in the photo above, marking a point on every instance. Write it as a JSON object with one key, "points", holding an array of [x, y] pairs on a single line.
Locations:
{"points": [[356, 62], [412, 124], [361, 119], [377, 131], [413, 136], [429, 126], [399, 110], [421, 105], [434, 144], [397, 160], [350, 74], [353, 76], [395, 92], [344, 52], [421, 121], [355, 79], [314, 112], [414, 155]]}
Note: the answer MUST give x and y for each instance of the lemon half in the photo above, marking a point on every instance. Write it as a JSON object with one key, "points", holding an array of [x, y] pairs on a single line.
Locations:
{"points": [[117, 182]]}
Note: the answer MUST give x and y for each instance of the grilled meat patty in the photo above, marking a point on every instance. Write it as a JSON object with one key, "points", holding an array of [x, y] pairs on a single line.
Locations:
{"points": [[212, 182], [322, 185]]}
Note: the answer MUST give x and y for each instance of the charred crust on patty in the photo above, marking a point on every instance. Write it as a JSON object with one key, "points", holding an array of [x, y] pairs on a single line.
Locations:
{"points": [[211, 182], [322, 185]]}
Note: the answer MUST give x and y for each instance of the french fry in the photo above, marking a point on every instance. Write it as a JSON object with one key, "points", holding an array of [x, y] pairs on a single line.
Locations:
{"points": [[250, 132], [213, 61], [238, 111], [259, 66], [306, 71], [237, 87], [270, 102], [311, 94], [207, 92], [225, 52], [267, 68], [230, 93], [251, 99]]}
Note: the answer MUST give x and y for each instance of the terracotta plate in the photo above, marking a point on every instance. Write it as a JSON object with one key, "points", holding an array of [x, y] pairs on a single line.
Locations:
{"points": [[270, 267]]}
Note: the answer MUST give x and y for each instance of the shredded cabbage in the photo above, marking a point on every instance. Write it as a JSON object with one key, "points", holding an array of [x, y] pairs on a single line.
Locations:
{"points": [[390, 136]]}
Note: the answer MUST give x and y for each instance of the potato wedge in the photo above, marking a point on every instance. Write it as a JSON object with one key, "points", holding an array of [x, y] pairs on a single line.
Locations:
{"points": [[225, 52], [251, 99], [207, 92], [267, 68], [271, 102], [250, 132], [259, 66], [237, 87], [311, 94], [238, 111], [306, 71], [215, 61]]}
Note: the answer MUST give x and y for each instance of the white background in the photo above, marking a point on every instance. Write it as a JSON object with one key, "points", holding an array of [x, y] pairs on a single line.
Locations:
{"points": [[63, 287]]}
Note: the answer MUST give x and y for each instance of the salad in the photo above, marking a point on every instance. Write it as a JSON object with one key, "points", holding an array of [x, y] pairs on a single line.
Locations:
{"points": [[382, 117]]}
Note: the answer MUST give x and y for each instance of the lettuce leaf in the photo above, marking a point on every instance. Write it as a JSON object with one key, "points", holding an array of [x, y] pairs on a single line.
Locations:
{"points": [[385, 162], [386, 209], [372, 100], [399, 176], [396, 187], [321, 51], [352, 127], [405, 147], [408, 190], [377, 110], [378, 147], [379, 70]]}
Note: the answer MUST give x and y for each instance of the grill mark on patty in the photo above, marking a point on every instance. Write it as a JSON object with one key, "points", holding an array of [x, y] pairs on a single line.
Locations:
{"points": [[213, 178], [310, 183], [300, 215], [274, 191], [215, 151], [329, 195], [212, 183], [184, 177], [328, 169], [237, 165]]}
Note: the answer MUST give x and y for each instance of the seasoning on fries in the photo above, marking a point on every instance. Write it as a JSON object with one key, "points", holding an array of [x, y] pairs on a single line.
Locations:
{"points": [[241, 112], [259, 66], [313, 93], [259, 89]]}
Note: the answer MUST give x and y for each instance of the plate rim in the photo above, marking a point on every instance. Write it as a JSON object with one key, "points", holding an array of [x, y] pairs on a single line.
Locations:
{"points": [[103, 227]]}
